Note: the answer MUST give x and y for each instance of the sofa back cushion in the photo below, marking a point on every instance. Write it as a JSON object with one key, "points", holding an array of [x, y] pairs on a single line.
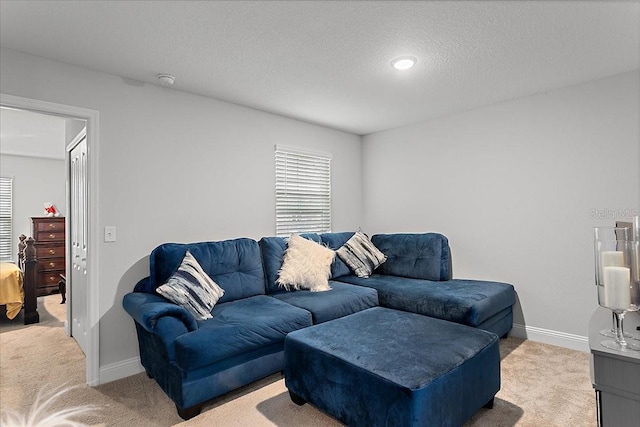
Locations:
{"points": [[235, 265], [272, 250], [335, 241], [418, 256]]}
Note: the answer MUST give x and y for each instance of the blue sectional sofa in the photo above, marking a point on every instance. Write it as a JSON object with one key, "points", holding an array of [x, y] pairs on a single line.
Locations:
{"points": [[196, 360]]}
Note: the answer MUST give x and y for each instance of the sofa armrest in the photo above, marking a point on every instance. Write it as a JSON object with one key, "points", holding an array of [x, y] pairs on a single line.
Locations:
{"points": [[417, 256], [145, 286], [148, 309]]}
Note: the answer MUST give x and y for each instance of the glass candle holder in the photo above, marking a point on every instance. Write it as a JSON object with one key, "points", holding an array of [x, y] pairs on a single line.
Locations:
{"points": [[617, 281]]}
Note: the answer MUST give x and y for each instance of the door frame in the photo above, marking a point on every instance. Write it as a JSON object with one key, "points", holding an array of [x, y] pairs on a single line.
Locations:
{"points": [[93, 202]]}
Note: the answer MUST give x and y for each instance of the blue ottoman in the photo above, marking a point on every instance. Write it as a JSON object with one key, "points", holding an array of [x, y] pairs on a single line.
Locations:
{"points": [[384, 367]]}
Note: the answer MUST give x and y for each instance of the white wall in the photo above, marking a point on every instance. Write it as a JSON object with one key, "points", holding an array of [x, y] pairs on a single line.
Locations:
{"points": [[517, 187], [176, 167], [35, 181]]}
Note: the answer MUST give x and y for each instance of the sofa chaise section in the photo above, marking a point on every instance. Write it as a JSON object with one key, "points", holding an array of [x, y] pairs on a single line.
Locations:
{"points": [[481, 304], [416, 277]]}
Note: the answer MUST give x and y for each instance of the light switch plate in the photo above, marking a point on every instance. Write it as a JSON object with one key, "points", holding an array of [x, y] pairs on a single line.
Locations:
{"points": [[110, 234]]}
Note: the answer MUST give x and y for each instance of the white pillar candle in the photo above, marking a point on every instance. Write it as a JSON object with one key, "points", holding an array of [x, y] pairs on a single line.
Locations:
{"points": [[609, 259], [612, 259], [617, 293]]}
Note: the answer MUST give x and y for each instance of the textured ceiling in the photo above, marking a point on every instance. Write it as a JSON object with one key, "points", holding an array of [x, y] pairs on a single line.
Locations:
{"points": [[329, 62]]}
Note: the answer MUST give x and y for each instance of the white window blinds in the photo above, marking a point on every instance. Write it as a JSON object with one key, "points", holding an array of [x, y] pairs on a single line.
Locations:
{"points": [[6, 218], [303, 191]]}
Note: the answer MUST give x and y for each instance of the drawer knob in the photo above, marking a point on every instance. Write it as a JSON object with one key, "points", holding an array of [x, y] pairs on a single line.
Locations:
{"points": [[52, 236], [52, 226], [52, 252], [52, 264], [52, 278]]}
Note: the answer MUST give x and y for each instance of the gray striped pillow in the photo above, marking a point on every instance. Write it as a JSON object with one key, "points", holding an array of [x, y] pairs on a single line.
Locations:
{"points": [[361, 255], [191, 288]]}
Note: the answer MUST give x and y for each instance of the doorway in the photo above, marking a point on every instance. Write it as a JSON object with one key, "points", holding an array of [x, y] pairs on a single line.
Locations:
{"points": [[83, 305]]}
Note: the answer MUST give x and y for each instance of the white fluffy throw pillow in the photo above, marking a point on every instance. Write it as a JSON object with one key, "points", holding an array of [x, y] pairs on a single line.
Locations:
{"points": [[306, 265]]}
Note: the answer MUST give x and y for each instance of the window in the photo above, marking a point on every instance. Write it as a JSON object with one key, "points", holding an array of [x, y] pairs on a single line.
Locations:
{"points": [[303, 191], [6, 218]]}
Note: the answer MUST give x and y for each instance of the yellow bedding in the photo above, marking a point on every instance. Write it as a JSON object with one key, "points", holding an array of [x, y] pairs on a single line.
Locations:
{"points": [[11, 290]]}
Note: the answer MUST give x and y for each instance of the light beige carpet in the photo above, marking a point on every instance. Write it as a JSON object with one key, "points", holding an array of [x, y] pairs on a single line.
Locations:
{"points": [[542, 385]]}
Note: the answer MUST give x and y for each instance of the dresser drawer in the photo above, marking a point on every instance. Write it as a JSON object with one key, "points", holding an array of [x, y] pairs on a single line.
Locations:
{"points": [[50, 251], [49, 278], [57, 226], [50, 236], [49, 264]]}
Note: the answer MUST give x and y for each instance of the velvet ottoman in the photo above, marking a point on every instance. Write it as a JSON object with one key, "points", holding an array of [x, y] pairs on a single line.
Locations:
{"points": [[384, 367]]}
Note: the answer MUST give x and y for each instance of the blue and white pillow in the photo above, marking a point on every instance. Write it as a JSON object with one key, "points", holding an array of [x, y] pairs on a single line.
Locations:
{"points": [[191, 288], [361, 255]]}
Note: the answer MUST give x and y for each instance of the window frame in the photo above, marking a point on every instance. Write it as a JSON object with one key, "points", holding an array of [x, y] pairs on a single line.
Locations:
{"points": [[6, 219], [303, 191]]}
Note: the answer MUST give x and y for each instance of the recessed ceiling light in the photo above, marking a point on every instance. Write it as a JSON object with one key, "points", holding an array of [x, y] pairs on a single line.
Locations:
{"points": [[404, 62]]}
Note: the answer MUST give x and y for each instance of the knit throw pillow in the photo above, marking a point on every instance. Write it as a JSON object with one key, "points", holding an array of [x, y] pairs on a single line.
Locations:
{"points": [[306, 265], [191, 288], [361, 255]]}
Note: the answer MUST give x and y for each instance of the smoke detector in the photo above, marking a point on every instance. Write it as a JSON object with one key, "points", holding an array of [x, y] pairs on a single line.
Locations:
{"points": [[166, 79]]}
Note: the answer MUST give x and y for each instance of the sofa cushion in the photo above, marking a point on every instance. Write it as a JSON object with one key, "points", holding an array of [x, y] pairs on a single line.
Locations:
{"points": [[343, 299], [361, 255], [469, 302], [238, 327], [235, 265], [191, 288], [272, 250], [306, 265], [335, 241], [419, 256]]}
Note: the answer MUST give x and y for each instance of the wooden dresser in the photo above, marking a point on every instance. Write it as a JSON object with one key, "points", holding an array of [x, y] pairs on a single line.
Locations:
{"points": [[48, 233]]}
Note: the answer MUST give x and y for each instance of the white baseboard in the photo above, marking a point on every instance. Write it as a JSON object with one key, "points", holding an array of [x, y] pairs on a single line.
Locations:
{"points": [[547, 336], [119, 370]]}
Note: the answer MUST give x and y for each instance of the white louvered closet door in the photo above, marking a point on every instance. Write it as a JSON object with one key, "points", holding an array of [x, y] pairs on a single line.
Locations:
{"points": [[78, 235]]}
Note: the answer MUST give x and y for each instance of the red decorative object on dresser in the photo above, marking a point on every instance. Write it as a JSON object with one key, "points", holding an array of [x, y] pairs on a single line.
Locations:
{"points": [[49, 235]]}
